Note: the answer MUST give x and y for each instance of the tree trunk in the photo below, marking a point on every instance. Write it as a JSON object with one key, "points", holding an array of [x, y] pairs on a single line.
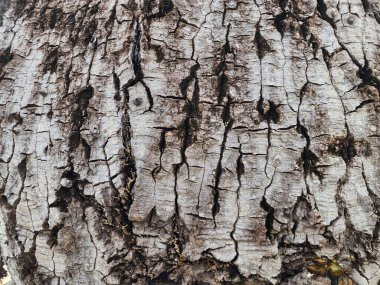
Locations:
{"points": [[189, 141]]}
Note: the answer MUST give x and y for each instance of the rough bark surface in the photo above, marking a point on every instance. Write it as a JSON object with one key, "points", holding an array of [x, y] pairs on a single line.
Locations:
{"points": [[189, 141]]}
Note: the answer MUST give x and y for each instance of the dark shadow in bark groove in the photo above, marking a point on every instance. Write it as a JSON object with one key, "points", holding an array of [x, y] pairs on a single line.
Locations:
{"points": [[137, 68]]}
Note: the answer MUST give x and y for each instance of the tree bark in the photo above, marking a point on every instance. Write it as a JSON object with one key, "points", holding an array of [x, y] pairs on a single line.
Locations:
{"points": [[189, 142]]}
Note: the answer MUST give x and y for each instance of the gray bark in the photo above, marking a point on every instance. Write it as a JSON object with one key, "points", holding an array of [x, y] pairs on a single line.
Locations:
{"points": [[189, 142]]}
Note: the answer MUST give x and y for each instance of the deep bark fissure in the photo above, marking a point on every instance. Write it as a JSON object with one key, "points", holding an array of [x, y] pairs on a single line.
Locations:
{"points": [[137, 67]]}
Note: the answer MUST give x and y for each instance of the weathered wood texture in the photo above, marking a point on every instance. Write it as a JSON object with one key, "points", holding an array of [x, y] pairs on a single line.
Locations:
{"points": [[184, 141]]}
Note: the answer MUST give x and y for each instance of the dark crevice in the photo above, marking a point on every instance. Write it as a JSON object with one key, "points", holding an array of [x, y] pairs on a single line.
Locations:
{"points": [[240, 168], [177, 225], [272, 114], [116, 84], [185, 83], [326, 57], [308, 157], [51, 61], [300, 212], [81, 101], [283, 4], [188, 129], [3, 272], [188, 137], [269, 219], [262, 45], [222, 97], [53, 238], [111, 20], [279, 21], [222, 85], [322, 9], [136, 55], [365, 73], [260, 106], [89, 31], [294, 263], [366, 5], [67, 79], [189, 125], [5, 57], [160, 54], [128, 169], [21, 168], [362, 104], [55, 16], [137, 68], [221, 69], [310, 160], [162, 146], [376, 14], [218, 172], [86, 149], [310, 38]]}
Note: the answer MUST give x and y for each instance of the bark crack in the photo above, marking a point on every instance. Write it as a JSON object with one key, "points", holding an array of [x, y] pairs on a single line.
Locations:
{"points": [[137, 68]]}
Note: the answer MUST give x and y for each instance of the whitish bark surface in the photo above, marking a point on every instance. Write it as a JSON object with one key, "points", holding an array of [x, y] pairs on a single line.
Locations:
{"points": [[185, 141]]}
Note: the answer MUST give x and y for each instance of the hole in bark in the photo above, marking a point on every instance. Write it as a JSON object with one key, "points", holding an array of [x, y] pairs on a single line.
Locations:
{"points": [[137, 102]]}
